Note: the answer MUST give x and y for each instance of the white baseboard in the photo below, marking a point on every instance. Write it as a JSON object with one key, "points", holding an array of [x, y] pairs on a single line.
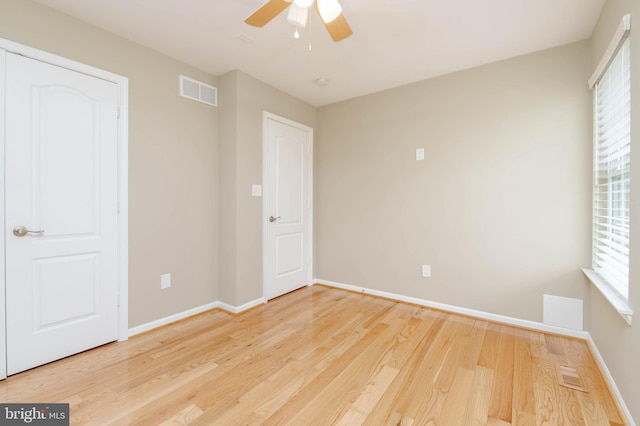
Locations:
{"points": [[502, 319], [609, 378], [191, 312], [241, 308], [172, 318]]}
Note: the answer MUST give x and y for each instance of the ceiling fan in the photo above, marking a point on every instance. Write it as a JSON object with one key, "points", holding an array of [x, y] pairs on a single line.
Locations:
{"points": [[329, 10]]}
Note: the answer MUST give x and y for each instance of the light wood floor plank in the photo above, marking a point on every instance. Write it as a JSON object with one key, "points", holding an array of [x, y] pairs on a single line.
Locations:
{"points": [[369, 398], [497, 422], [477, 410], [453, 409], [411, 386], [303, 368], [326, 356], [502, 391], [184, 417], [341, 382], [415, 393], [523, 401]]}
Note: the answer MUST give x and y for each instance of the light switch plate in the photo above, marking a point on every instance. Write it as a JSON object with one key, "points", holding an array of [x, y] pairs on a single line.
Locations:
{"points": [[419, 154], [426, 271], [165, 281], [256, 190]]}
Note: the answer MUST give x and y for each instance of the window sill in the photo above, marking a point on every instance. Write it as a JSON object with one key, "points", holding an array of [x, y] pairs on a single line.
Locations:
{"points": [[618, 303]]}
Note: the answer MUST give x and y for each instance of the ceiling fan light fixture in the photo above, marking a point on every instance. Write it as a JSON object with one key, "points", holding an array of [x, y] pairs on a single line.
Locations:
{"points": [[303, 3], [297, 15], [329, 10]]}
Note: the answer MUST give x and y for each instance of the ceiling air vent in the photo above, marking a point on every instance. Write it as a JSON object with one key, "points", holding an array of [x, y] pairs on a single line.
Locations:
{"points": [[198, 91]]}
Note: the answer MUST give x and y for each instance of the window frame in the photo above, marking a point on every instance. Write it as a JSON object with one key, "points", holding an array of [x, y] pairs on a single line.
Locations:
{"points": [[616, 290]]}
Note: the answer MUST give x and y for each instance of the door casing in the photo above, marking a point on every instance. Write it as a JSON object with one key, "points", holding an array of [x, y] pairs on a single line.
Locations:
{"points": [[123, 145], [270, 116]]}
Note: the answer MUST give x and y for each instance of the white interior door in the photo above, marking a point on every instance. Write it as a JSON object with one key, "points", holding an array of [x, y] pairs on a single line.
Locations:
{"points": [[61, 183], [287, 205]]}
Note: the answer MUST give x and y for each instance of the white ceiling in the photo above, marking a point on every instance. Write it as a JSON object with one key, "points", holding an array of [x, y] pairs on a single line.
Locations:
{"points": [[395, 42]]}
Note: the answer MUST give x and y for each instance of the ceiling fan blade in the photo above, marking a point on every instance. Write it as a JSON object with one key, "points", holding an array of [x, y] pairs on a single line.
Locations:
{"points": [[339, 28], [267, 12]]}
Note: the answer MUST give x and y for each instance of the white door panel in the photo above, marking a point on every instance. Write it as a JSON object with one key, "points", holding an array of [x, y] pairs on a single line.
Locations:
{"points": [[61, 177], [289, 252], [288, 195], [289, 169], [63, 275], [67, 149]]}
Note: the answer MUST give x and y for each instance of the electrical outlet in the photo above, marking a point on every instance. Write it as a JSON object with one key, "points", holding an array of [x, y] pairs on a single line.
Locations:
{"points": [[165, 280], [420, 154], [426, 271]]}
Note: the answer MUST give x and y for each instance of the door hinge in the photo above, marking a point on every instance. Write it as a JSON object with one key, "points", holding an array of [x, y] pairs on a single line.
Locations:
{"points": [[118, 206], [118, 112]]}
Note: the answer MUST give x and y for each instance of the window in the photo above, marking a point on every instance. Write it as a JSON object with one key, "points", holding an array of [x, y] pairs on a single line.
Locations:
{"points": [[612, 150]]}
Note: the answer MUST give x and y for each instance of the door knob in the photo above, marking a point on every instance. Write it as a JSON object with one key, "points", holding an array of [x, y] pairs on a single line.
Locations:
{"points": [[273, 219], [21, 231]]}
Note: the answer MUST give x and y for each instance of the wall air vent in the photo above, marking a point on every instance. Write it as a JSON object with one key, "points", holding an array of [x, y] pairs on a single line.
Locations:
{"points": [[198, 91]]}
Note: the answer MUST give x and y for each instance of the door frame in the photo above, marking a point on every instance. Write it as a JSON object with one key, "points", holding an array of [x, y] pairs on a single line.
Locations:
{"points": [[266, 116], [123, 179]]}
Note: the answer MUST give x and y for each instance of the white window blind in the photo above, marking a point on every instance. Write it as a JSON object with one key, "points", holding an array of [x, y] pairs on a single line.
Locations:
{"points": [[612, 127]]}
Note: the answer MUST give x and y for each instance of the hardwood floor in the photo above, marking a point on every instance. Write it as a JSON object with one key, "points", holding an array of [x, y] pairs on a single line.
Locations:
{"points": [[322, 356]]}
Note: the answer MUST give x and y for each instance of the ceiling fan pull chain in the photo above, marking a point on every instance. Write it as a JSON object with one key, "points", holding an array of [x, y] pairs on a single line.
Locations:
{"points": [[309, 29]]}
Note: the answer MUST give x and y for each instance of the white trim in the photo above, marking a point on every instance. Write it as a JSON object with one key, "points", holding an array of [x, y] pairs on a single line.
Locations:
{"points": [[618, 303], [3, 347], [123, 209], [172, 318], [263, 213], [123, 166], [191, 312], [265, 117], [609, 378], [239, 309], [622, 32], [502, 319], [60, 61]]}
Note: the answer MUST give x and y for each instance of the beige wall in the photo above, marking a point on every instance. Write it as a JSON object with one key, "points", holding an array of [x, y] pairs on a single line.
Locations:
{"points": [[173, 159], [241, 146], [500, 208], [228, 106], [619, 343]]}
